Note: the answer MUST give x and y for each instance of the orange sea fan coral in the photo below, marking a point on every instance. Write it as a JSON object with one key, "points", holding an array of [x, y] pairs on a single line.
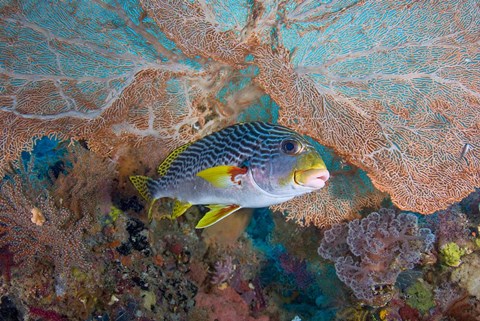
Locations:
{"points": [[395, 94], [188, 24], [157, 105], [417, 160], [87, 87]]}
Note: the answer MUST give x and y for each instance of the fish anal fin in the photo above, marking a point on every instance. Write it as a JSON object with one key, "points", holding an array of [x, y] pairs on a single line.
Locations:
{"points": [[150, 208], [223, 176], [217, 213], [165, 165], [179, 208]]}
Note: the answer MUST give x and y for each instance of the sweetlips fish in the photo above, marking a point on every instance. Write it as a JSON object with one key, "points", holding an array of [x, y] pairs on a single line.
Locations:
{"points": [[250, 165]]}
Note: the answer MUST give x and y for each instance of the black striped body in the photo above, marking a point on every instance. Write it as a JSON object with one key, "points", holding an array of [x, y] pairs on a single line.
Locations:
{"points": [[251, 145]]}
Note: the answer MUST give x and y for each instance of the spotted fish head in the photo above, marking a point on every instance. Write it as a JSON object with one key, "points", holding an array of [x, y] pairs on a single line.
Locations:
{"points": [[289, 165]]}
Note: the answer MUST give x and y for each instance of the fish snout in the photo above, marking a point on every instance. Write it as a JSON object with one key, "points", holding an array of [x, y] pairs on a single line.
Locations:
{"points": [[313, 178]]}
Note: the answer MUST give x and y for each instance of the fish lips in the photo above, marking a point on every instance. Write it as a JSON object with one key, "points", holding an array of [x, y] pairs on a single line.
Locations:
{"points": [[312, 178]]}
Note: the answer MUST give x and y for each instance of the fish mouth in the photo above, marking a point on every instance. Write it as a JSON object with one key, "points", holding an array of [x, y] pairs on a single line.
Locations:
{"points": [[313, 178]]}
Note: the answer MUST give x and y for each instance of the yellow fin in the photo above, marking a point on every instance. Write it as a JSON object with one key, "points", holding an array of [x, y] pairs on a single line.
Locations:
{"points": [[217, 213], [222, 176], [179, 208], [165, 165], [141, 184]]}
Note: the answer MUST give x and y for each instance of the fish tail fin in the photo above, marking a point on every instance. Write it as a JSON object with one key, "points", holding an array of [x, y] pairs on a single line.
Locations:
{"points": [[144, 186]]}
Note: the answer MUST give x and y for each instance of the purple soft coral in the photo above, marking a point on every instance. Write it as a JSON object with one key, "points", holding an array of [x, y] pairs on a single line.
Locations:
{"points": [[224, 271], [371, 252]]}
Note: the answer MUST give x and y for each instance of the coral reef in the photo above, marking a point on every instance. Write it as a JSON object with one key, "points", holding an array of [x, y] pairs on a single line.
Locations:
{"points": [[167, 270], [93, 91], [370, 253]]}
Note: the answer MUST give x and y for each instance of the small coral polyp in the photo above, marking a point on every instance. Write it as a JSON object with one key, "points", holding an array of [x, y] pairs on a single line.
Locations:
{"points": [[370, 253]]}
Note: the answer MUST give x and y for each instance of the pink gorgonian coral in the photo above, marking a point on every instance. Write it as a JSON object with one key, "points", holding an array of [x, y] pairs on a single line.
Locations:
{"points": [[371, 252]]}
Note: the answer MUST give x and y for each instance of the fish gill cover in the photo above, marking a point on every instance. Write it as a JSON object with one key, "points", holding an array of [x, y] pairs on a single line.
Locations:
{"points": [[393, 87]]}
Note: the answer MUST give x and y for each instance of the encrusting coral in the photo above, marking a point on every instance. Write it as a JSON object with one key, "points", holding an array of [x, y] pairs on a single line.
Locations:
{"points": [[420, 296], [451, 254]]}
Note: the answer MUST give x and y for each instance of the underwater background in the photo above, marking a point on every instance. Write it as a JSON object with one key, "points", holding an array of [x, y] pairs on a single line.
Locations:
{"points": [[92, 92]]}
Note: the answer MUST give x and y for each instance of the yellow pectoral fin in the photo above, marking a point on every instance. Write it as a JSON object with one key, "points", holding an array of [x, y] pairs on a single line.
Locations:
{"points": [[217, 213], [223, 176], [179, 208]]}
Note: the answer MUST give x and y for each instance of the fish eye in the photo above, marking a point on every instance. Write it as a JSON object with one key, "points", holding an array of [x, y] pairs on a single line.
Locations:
{"points": [[291, 147]]}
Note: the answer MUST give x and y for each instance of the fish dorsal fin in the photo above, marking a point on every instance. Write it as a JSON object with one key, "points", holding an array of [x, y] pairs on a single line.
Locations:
{"points": [[179, 208], [223, 176], [217, 213], [165, 165]]}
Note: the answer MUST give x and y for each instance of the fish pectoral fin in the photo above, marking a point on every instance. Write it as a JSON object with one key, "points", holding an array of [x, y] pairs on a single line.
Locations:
{"points": [[217, 213], [223, 176], [179, 208]]}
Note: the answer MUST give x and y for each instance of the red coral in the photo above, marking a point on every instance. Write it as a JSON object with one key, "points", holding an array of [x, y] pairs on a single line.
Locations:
{"points": [[6, 261], [225, 304], [407, 313], [48, 315]]}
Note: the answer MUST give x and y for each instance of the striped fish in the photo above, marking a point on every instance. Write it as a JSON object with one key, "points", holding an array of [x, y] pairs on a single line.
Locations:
{"points": [[248, 165]]}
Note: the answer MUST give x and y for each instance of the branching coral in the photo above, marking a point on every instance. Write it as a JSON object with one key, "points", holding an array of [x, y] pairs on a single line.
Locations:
{"points": [[223, 271], [371, 252], [87, 184], [58, 240]]}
